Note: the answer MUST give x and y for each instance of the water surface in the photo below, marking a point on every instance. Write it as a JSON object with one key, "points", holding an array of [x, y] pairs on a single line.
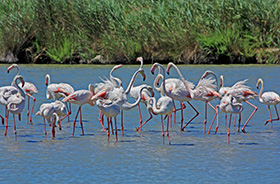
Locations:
{"points": [[141, 157]]}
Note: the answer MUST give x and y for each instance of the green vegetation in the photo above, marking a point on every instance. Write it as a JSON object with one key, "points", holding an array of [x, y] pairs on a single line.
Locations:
{"points": [[197, 31]]}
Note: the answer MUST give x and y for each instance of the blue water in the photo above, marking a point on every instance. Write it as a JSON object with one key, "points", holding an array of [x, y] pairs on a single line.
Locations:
{"points": [[141, 157]]}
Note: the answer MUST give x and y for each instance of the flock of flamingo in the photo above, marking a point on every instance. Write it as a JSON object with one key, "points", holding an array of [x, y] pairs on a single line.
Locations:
{"points": [[112, 99]]}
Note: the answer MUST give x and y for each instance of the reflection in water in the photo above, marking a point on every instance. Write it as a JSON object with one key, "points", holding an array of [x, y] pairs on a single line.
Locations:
{"points": [[140, 157]]}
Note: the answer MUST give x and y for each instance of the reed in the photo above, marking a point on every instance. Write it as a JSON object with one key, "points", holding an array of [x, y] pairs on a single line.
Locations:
{"points": [[180, 31]]}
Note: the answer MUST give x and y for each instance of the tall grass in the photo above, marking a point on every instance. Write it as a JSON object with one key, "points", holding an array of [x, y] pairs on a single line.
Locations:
{"points": [[181, 31]]}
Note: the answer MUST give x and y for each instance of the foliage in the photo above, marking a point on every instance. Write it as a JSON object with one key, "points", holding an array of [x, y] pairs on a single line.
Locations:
{"points": [[122, 30]]}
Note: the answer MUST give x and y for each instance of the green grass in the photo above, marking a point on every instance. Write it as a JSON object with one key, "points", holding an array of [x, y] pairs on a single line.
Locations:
{"points": [[176, 30]]}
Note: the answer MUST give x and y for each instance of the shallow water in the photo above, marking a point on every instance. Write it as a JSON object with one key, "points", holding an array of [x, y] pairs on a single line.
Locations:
{"points": [[141, 157]]}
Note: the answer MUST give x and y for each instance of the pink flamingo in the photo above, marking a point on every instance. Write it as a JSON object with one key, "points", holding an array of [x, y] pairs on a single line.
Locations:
{"points": [[48, 111], [163, 106], [6, 92], [230, 105], [119, 96], [268, 98], [179, 92], [146, 94], [204, 91], [29, 89], [80, 98], [110, 110], [57, 91]]}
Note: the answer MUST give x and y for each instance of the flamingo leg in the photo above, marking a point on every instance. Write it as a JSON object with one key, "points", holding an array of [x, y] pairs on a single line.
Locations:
{"points": [[234, 119], [34, 99], [15, 128], [217, 126], [216, 115], [226, 121], [182, 115], [205, 120], [139, 110], [81, 121], [7, 116], [112, 126], [239, 122], [228, 133], [151, 116], [256, 108], [276, 113], [101, 120], [108, 133], [74, 123], [116, 129], [28, 101], [122, 122], [167, 133], [45, 131], [174, 111], [162, 127], [68, 111], [53, 130], [197, 113]]}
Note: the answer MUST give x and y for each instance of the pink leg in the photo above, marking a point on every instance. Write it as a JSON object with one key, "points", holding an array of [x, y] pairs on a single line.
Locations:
{"points": [[108, 133], [213, 119], [45, 131], [197, 113], [81, 121], [167, 133], [162, 127], [116, 129], [139, 110], [271, 116], [174, 111], [239, 122], [151, 116], [229, 128], [34, 99], [205, 120], [15, 128], [74, 123], [226, 121], [53, 130], [182, 115], [234, 119], [7, 116], [256, 108], [68, 111], [122, 122], [101, 120], [28, 108], [217, 126], [216, 110]]}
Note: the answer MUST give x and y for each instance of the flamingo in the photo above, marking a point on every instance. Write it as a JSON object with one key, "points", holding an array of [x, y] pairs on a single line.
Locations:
{"points": [[230, 105], [80, 98], [6, 92], [29, 89], [146, 94], [163, 106], [60, 110], [268, 98], [57, 91], [223, 91], [108, 84], [110, 110], [48, 111], [15, 104], [119, 96], [204, 91]]}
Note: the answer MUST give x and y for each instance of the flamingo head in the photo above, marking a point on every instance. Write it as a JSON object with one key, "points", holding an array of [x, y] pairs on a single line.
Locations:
{"points": [[169, 65], [143, 74], [154, 67], [11, 67], [258, 83]]}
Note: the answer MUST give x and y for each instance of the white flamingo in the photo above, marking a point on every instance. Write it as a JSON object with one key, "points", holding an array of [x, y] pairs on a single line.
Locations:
{"points": [[268, 98], [56, 91], [230, 105], [204, 91], [119, 96], [47, 111], [163, 106], [29, 89], [6, 92], [146, 94], [80, 98]]}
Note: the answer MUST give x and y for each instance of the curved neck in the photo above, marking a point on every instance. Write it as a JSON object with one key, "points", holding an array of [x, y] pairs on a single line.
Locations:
{"points": [[48, 80], [209, 72], [159, 76], [115, 78], [182, 78], [260, 81], [20, 90], [126, 105], [132, 81], [155, 109]]}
